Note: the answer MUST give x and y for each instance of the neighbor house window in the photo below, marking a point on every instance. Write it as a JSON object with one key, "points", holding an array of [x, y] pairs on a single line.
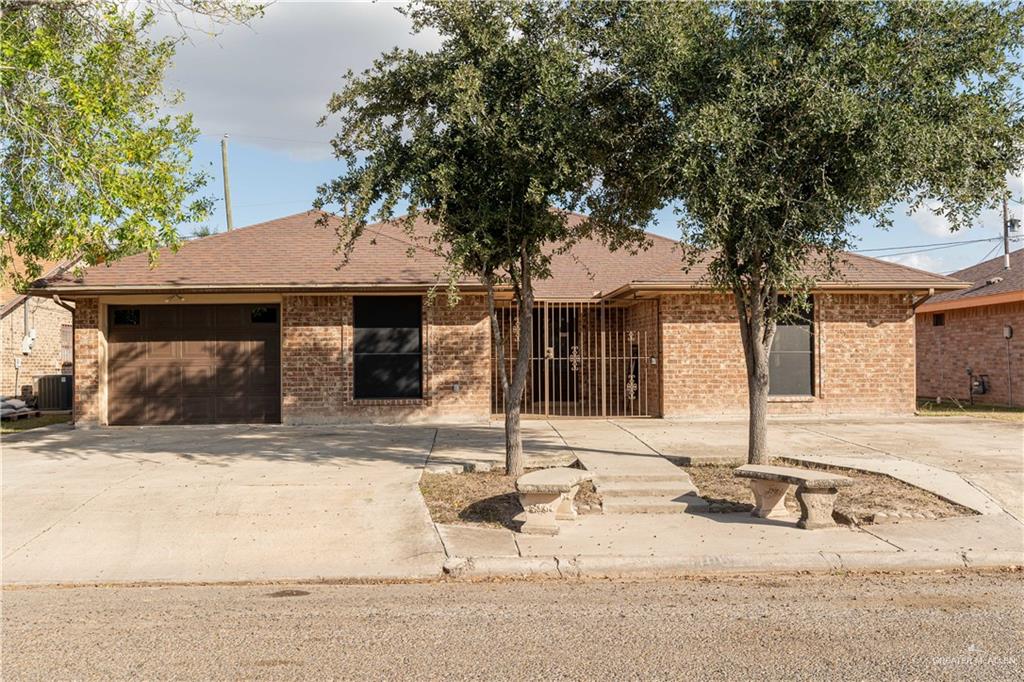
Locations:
{"points": [[939, 319], [127, 317], [388, 347], [67, 344], [791, 359]]}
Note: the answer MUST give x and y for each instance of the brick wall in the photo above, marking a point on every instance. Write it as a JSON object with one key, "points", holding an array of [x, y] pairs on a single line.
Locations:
{"points": [[972, 337], [317, 363], [47, 318], [642, 318], [864, 357], [87, 362]]}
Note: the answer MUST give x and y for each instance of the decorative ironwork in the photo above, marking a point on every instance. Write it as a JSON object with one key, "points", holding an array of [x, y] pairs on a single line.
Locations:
{"points": [[587, 359]]}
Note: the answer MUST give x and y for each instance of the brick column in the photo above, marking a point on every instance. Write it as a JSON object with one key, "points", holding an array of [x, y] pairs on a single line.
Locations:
{"points": [[87, 407]]}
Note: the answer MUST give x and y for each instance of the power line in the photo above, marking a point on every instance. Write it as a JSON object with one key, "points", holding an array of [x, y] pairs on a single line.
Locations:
{"points": [[896, 252], [268, 137], [921, 246]]}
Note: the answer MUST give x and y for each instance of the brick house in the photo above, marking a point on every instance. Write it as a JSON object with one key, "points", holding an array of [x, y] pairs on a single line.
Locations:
{"points": [[261, 324], [979, 328], [35, 340]]}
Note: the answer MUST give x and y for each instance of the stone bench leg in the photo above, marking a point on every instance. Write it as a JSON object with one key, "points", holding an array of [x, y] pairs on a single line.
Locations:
{"points": [[542, 510], [816, 507], [769, 499], [567, 505]]}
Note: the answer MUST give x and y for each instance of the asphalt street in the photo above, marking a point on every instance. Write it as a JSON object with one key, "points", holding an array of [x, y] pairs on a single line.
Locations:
{"points": [[934, 626]]}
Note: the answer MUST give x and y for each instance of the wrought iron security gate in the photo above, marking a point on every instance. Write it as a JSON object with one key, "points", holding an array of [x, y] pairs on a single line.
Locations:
{"points": [[587, 359]]}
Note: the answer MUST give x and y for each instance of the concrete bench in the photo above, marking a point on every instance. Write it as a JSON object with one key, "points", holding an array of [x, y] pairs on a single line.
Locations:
{"points": [[815, 491], [547, 496]]}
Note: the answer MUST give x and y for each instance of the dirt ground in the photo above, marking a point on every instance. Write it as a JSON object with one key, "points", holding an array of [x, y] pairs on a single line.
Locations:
{"points": [[869, 495], [486, 498]]}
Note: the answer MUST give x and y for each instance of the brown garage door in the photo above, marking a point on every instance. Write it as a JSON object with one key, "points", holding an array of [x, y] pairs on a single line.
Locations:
{"points": [[194, 364]]}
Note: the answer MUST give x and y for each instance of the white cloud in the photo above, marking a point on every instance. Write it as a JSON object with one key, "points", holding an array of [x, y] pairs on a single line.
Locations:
{"points": [[1015, 181], [927, 218], [268, 83], [921, 261]]}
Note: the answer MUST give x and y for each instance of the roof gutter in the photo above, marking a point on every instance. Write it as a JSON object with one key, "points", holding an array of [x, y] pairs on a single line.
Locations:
{"points": [[663, 287], [83, 291]]}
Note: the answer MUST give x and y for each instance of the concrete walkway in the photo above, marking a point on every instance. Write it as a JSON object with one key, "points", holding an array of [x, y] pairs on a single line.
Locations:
{"points": [[630, 477], [943, 456], [481, 447], [988, 454], [946, 484]]}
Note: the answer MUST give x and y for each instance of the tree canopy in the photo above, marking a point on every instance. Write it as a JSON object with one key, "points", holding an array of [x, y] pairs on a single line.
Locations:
{"points": [[775, 125], [491, 137], [90, 166]]}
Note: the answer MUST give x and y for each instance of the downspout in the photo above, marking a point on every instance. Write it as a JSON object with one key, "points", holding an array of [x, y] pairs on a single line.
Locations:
{"points": [[62, 304], [914, 305]]}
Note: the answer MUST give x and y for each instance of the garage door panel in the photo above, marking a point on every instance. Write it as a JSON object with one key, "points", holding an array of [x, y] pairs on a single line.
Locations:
{"points": [[163, 350], [198, 349], [158, 318], [197, 409], [163, 413], [264, 409], [198, 380], [194, 364]]}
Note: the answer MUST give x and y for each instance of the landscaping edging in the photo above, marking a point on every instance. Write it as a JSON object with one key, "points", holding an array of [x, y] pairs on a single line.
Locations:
{"points": [[597, 566]]}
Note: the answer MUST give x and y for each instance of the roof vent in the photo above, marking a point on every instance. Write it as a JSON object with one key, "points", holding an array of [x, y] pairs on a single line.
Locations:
{"points": [[993, 280]]}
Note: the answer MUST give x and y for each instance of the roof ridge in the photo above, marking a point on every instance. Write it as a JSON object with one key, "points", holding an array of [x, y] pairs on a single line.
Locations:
{"points": [[1013, 253], [900, 265]]}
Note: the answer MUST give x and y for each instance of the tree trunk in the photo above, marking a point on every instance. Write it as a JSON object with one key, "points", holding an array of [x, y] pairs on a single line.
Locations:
{"points": [[515, 461], [757, 329], [757, 398]]}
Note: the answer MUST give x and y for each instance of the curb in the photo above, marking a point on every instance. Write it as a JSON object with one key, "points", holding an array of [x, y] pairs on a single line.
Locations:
{"points": [[601, 566]]}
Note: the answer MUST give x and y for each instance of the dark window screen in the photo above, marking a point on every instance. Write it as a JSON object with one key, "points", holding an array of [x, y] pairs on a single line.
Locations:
{"points": [[388, 347], [791, 360]]}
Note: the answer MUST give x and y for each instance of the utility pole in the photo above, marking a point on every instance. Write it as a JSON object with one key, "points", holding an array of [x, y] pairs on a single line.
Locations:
{"points": [[227, 185], [1006, 236]]}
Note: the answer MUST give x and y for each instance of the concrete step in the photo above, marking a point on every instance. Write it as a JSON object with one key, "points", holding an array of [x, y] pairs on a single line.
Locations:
{"points": [[680, 477], [616, 488], [654, 504]]}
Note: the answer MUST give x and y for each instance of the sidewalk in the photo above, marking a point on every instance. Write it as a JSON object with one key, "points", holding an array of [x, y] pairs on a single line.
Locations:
{"points": [[693, 541], [608, 545]]}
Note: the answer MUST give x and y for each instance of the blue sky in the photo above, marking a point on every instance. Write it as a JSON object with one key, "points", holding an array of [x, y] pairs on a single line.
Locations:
{"points": [[266, 85]]}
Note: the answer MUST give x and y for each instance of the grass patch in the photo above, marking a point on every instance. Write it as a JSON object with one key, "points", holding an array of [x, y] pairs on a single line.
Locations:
{"points": [[483, 498], [950, 407], [869, 495], [17, 425]]}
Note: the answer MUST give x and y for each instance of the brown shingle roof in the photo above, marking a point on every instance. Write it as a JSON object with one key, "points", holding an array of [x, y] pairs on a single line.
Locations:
{"points": [[1009, 281], [293, 253]]}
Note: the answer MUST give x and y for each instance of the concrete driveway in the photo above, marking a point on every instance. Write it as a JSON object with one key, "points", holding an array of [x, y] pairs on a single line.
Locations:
{"points": [[218, 503]]}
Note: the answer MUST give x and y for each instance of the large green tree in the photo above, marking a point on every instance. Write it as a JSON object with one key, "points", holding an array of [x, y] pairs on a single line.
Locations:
{"points": [[90, 165], [775, 125], [490, 138]]}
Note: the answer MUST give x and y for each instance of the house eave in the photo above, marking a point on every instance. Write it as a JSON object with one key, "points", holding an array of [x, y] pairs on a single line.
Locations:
{"points": [[641, 288], [972, 302], [84, 291]]}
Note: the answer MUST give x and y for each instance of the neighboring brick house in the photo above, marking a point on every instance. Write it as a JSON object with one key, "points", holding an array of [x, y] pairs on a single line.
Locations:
{"points": [[35, 340], [981, 329], [261, 324]]}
